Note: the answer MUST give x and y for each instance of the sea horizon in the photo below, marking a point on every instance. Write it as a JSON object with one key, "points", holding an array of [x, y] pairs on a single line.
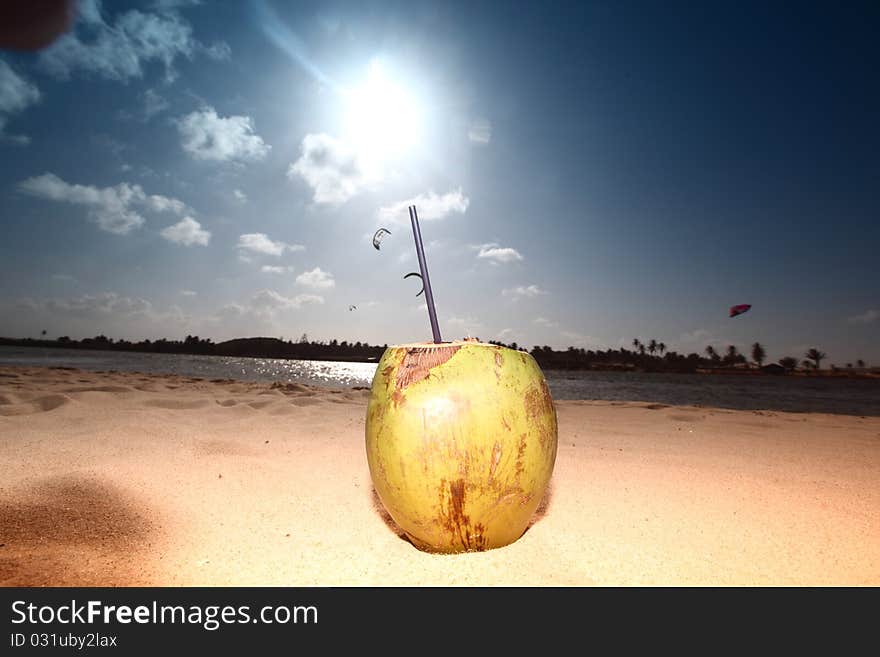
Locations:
{"points": [[813, 394]]}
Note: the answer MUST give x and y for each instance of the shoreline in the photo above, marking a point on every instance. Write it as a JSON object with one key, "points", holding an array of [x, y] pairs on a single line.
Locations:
{"points": [[184, 378], [558, 366], [126, 479]]}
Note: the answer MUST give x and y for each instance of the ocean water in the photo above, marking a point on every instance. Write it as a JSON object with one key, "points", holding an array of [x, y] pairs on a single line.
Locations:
{"points": [[780, 393]]}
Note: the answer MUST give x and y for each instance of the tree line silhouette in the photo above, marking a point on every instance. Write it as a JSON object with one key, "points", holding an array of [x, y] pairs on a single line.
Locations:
{"points": [[654, 356], [250, 347], [650, 356]]}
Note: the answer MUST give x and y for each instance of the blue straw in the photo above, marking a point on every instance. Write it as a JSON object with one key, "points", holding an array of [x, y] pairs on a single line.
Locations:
{"points": [[420, 252]]}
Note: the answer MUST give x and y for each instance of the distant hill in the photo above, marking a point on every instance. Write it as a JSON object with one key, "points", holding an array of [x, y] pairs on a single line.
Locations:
{"points": [[259, 347], [275, 348], [265, 347]]}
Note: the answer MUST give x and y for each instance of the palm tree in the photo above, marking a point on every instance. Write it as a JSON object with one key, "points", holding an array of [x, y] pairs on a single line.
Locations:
{"points": [[758, 354], [711, 353], [661, 347], [732, 355], [860, 363], [788, 362], [652, 346], [815, 355]]}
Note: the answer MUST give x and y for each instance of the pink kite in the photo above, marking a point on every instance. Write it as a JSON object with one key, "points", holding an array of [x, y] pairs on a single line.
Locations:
{"points": [[739, 310]]}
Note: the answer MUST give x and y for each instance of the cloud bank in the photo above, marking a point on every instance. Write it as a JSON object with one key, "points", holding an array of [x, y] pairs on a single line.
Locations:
{"points": [[109, 207], [207, 136], [187, 232], [330, 167], [122, 48], [16, 94], [429, 206]]}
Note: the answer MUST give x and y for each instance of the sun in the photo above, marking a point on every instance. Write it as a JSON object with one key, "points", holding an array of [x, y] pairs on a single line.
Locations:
{"points": [[382, 120]]}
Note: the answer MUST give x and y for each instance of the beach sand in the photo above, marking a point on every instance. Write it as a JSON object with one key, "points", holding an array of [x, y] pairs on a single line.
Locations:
{"points": [[121, 479]]}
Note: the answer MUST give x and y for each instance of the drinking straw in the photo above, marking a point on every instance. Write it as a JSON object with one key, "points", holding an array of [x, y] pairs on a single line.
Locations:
{"points": [[420, 252]]}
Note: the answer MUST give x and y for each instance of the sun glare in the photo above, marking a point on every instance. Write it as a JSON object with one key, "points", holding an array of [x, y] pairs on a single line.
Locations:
{"points": [[381, 118]]}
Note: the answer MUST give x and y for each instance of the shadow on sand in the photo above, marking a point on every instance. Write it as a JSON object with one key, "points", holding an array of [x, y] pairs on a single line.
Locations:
{"points": [[71, 531]]}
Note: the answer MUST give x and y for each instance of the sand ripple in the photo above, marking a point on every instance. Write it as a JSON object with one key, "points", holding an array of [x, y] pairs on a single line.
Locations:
{"points": [[39, 405]]}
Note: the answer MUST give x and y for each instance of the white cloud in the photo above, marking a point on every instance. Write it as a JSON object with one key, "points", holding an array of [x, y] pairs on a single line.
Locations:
{"points": [[150, 103], [523, 291], [696, 341], [273, 269], [174, 4], [330, 167], [239, 195], [107, 303], [468, 325], [63, 277], [120, 51], [22, 140], [697, 335], [316, 278], [258, 314], [270, 300], [109, 313], [109, 207], [187, 232], [188, 293], [496, 253], [429, 206], [505, 334], [480, 131], [89, 12], [207, 136], [260, 243], [543, 321], [866, 317], [166, 204], [218, 51], [153, 104], [27, 303], [231, 311], [579, 339], [16, 94]]}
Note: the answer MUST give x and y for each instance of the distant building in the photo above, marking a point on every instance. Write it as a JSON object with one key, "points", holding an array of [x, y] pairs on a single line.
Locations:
{"points": [[773, 368]]}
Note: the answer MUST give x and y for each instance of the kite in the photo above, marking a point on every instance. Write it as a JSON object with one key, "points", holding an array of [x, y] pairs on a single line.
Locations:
{"points": [[740, 309], [378, 235], [352, 307], [413, 273]]}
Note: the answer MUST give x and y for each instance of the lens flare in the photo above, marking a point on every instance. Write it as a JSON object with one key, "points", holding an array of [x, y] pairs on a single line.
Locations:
{"points": [[382, 120]]}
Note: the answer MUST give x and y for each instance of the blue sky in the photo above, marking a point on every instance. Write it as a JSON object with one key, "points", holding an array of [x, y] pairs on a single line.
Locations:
{"points": [[584, 174]]}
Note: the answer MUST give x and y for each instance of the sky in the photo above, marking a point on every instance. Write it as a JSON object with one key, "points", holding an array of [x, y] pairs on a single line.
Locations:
{"points": [[585, 174]]}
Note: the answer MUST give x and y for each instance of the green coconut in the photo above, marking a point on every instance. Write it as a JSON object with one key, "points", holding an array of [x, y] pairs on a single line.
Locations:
{"points": [[461, 441]]}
